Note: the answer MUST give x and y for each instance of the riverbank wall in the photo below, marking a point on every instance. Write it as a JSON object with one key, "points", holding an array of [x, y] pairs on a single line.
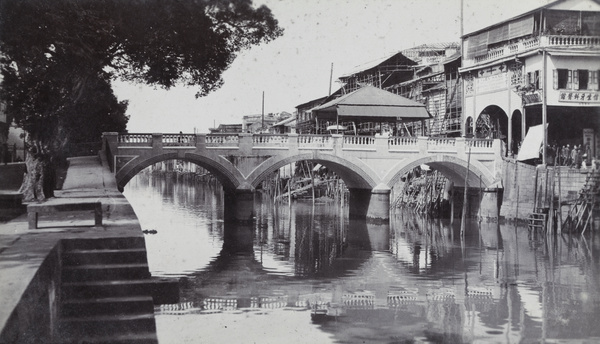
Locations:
{"points": [[527, 188]]}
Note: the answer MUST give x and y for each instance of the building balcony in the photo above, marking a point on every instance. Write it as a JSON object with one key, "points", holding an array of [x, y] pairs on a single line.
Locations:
{"points": [[533, 43]]}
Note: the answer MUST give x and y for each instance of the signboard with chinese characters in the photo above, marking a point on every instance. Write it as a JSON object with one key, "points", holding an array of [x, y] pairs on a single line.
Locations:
{"points": [[587, 97]]}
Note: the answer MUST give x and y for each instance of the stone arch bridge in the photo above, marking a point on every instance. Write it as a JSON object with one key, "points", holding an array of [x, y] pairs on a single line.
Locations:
{"points": [[370, 166]]}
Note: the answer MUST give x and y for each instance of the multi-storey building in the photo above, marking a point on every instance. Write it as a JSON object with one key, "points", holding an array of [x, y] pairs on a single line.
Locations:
{"points": [[540, 67], [438, 86]]}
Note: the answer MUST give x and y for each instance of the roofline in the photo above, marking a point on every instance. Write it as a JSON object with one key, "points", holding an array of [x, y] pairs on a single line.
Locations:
{"points": [[516, 17], [310, 101]]}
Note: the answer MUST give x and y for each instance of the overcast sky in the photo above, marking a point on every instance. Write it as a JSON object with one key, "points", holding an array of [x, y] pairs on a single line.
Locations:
{"points": [[295, 68]]}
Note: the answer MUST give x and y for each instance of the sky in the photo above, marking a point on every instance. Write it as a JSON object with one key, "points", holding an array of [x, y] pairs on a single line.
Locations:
{"points": [[296, 67]]}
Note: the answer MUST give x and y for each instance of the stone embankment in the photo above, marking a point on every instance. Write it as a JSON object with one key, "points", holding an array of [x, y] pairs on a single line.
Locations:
{"points": [[71, 280]]}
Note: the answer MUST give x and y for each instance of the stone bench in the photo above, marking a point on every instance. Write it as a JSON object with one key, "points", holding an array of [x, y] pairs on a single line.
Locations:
{"points": [[33, 211]]}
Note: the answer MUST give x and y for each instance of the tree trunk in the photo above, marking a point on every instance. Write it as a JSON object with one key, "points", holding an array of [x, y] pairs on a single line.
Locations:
{"points": [[37, 183]]}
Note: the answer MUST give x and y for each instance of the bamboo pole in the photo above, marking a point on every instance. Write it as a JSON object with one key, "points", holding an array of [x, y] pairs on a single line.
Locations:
{"points": [[517, 208], [535, 189], [480, 199], [551, 211], [559, 206]]}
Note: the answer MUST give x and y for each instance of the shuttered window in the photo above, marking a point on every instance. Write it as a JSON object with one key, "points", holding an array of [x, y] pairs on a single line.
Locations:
{"points": [[562, 79], [575, 79]]}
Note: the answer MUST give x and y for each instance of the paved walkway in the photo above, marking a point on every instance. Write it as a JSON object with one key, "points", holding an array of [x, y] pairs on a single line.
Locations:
{"points": [[22, 250]]}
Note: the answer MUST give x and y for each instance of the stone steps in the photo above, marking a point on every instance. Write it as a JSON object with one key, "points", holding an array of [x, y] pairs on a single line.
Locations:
{"points": [[128, 338], [106, 292], [90, 327], [162, 291], [95, 272], [105, 256], [107, 305]]}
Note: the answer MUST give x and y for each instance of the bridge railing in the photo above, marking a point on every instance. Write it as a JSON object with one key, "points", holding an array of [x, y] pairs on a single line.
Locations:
{"points": [[441, 144], [179, 140], [315, 141], [270, 140], [222, 140], [479, 144], [359, 140], [399, 141], [137, 140]]}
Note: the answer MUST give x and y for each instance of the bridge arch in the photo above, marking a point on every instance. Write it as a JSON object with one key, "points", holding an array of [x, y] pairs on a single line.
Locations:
{"points": [[453, 168], [354, 175], [228, 176]]}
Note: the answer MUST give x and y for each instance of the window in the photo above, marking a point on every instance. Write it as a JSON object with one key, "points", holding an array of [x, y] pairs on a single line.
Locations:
{"points": [[593, 79], [583, 77], [562, 79]]}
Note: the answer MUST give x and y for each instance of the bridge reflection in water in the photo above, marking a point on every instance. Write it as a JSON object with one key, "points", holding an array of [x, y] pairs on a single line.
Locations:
{"points": [[305, 274]]}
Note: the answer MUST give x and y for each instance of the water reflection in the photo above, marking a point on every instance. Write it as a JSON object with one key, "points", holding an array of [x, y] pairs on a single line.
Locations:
{"points": [[309, 274]]}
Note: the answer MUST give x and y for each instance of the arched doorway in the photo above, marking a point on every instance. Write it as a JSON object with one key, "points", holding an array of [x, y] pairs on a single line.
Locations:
{"points": [[492, 123], [517, 132]]}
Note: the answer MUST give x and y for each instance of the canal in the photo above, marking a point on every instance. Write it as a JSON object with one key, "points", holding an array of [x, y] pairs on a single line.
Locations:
{"points": [[308, 274]]}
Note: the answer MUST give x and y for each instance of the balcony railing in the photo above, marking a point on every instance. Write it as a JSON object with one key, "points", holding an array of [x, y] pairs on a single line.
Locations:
{"points": [[534, 43]]}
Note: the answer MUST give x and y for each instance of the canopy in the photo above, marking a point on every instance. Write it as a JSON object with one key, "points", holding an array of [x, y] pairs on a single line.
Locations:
{"points": [[530, 148], [372, 104]]}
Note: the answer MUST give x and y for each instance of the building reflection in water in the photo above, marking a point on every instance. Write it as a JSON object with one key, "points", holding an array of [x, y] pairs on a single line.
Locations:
{"points": [[412, 279]]}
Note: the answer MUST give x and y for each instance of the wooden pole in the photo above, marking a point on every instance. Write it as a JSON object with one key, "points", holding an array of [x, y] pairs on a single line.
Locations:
{"points": [[551, 211], [464, 209], [559, 206], [480, 199], [452, 204], [535, 188], [517, 207]]}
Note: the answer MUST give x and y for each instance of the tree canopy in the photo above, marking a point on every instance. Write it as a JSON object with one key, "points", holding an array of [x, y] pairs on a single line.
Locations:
{"points": [[58, 57]]}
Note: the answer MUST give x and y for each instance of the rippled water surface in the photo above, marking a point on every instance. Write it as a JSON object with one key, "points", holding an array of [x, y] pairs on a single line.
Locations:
{"points": [[305, 274]]}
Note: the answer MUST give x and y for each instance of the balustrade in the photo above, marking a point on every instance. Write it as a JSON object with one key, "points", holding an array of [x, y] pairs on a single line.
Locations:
{"points": [[315, 141], [359, 140], [270, 140], [222, 140], [479, 144], [396, 141], [135, 140], [587, 41], [434, 143], [179, 140], [304, 141]]}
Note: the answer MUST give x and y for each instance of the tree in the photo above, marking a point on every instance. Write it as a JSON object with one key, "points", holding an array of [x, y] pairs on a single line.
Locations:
{"points": [[58, 57]]}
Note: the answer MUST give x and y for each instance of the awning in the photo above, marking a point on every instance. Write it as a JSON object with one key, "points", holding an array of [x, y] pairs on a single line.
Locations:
{"points": [[374, 104], [530, 148]]}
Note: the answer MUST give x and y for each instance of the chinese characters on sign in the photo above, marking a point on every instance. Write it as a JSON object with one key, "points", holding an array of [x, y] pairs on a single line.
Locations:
{"points": [[579, 96]]}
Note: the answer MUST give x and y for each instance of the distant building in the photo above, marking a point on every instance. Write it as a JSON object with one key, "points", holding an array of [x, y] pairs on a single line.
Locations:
{"points": [[258, 123], [544, 63], [226, 128], [305, 120], [285, 126]]}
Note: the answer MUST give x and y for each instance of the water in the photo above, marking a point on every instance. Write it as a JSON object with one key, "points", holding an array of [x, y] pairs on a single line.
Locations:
{"points": [[311, 275]]}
